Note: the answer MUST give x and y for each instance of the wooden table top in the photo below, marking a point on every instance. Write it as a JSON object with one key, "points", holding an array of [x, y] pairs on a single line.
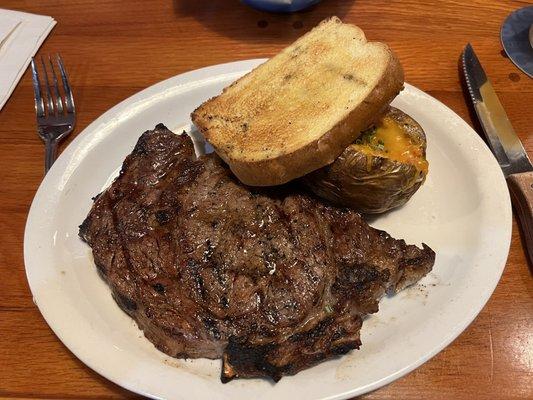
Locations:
{"points": [[112, 49]]}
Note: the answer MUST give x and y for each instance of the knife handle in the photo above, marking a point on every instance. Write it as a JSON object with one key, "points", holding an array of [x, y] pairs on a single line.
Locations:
{"points": [[521, 189]]}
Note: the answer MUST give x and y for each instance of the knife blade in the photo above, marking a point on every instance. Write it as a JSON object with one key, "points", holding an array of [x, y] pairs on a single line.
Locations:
{"points": [[503, 141], [500, 134]]}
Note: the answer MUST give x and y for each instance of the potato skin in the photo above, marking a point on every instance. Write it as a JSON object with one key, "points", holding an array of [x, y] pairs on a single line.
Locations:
{"points": [[367, 183]]}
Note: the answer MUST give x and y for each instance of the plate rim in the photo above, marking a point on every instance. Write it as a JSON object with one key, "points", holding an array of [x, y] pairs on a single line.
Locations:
{"points": [[215, 72]]}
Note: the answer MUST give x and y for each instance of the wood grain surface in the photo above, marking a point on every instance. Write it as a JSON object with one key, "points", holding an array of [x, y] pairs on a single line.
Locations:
{"points": [[113, 49]]}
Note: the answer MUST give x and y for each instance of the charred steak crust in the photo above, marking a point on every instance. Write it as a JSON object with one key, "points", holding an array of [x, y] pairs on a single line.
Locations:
{"points": [[272, 281]]}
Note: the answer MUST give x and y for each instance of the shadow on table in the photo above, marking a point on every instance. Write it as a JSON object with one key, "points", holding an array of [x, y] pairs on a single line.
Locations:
{"points": [[233, 19]]}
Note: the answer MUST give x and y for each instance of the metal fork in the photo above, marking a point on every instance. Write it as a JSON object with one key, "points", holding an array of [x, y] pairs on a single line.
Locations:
{"points": [[56, 114]]}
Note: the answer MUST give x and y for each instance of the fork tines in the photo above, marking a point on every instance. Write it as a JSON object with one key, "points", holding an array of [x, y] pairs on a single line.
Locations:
{"points": [[50, 100]]}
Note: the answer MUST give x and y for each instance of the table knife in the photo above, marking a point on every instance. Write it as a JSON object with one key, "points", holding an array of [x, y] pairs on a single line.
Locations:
{"points": [[504, 143]]}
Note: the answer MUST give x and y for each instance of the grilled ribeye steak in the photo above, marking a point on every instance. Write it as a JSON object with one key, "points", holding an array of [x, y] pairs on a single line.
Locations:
{"points": [[272, 280]]}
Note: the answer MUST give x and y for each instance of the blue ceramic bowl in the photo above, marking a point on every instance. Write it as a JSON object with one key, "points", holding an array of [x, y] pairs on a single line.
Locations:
{"points": [[280, 5]]}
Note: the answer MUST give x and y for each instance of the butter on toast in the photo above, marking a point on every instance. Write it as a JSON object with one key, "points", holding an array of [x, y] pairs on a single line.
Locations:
{"points": [[298, 111]]}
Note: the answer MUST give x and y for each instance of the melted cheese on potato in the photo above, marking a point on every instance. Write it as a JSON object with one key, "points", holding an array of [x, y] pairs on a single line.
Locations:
{"points": [[390, 140]]}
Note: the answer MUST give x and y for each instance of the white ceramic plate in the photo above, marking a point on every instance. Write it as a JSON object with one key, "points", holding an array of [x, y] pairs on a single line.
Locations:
{"points": [[462, 211]]}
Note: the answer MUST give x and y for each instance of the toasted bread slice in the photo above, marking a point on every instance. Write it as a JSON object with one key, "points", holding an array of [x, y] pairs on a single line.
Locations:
{"points": [[298, 111]]}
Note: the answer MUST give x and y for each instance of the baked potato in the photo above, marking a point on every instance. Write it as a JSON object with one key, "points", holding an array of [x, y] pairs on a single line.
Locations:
{"points": [[381, 170]]}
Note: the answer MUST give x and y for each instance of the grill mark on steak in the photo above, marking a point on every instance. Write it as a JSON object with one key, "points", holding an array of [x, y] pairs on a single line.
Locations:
{"points": [[270, 280], [126, 303]]}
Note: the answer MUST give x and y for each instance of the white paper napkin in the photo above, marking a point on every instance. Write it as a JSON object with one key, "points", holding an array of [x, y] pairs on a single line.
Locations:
{"points": [[21, 35]]}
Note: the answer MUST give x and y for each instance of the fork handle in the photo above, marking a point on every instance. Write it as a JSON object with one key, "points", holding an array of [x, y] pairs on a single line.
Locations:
{"points": [[521, 189], [50, 154]]}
